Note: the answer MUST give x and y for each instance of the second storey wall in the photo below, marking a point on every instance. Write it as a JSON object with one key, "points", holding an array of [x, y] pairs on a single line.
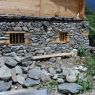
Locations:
{"points": [[45, 8]]}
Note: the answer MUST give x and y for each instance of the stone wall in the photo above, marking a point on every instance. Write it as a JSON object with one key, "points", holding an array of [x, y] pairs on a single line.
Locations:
{"points": [[43, 33]]}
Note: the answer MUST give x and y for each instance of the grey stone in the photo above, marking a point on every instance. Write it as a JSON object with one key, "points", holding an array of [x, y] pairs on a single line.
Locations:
{"points": [[14, 77], [5, 72], [45, 76], [31, 82], [52, 71], [6, 50], [10, 61], [52, 59], [35, 44], [17, 47], [20, 24], [27, 63], [40, 51], [13, 24], [60, 80], [17, 28], [18, 70], [14, 55], [55, 76], [5, 86], [25, 29], [58, 70], [2, 61], [26, 92], [47, 49], [35, 73], [25, 69], [20, 79], [69, 88], [27, 58]]}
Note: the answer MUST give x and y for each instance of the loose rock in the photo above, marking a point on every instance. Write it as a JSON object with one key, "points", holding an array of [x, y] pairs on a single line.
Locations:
{"points": [[20, 79], [5, 72], [5, 86], [69, 88], [35, 73], [31, 82], [10, 61], [18, 70]]}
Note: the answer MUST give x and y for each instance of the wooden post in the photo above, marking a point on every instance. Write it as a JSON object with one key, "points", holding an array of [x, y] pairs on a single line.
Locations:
{"points": [[81, 8], [27, 39]]}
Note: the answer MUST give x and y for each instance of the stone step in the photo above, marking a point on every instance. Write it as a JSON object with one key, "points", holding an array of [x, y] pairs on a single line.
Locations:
{"points": [[26, 92]]}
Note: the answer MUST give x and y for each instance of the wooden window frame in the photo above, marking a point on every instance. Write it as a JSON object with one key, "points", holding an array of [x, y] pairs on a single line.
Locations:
{"points": [[26, 39], [61, 38], [17, 38]]}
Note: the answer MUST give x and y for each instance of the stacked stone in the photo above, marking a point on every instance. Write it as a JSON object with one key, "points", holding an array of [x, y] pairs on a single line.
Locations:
{"points": [[18, 72], [43, 32]]}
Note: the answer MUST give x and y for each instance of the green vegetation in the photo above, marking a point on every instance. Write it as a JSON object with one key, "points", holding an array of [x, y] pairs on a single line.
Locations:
{"points": [[81, 52], [50, 85], [90, 64], [87, 82], [91, 18], [86, 85]]}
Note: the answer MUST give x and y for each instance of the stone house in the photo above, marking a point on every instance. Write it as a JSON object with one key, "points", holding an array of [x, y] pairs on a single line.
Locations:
{"points": [[46, 26]]}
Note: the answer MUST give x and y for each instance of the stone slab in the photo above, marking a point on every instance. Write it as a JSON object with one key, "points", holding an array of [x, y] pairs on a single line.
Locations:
{"points": [[25, 92]]}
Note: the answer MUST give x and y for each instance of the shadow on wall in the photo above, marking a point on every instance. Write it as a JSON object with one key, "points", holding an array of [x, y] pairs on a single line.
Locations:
{"points": [[92, 40], [75, 6]]}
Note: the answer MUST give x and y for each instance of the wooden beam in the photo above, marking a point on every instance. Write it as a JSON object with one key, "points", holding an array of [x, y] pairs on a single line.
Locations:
{"points": [[52, 55]]}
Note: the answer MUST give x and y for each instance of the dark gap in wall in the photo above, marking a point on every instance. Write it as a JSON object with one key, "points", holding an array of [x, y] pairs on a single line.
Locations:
{"points": [[27, 19]]}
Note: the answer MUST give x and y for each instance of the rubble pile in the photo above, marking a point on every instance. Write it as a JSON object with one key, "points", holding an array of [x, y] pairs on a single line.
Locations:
{"points": [[19, 71]]}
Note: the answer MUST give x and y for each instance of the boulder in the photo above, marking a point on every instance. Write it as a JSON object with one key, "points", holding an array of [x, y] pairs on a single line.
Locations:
{"points": [[31, 82], [4, 86], [69, 88], [52, 71], [72, 75], [35, 73], [10, 61], [18, 70], [20, 79], [5, 72], [45, 76], [14, 55]]}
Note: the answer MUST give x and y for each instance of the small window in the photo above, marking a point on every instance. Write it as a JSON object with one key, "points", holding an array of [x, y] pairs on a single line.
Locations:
{"points": [[16, 38], [63, 37]]}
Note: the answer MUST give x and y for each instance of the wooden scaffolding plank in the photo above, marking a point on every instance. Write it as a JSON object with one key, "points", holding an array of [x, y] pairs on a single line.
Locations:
{"points": [[52, 55]]}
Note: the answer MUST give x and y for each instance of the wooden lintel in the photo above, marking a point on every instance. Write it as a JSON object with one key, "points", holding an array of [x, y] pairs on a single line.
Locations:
{"points": [[8, 32]]}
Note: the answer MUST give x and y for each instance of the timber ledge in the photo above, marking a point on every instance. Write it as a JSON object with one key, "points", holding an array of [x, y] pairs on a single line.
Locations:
{"points": [[31, 18]]}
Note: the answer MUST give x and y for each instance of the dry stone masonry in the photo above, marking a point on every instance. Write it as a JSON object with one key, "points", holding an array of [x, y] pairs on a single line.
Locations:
{"points": [[44, 32], [17, 68]]}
